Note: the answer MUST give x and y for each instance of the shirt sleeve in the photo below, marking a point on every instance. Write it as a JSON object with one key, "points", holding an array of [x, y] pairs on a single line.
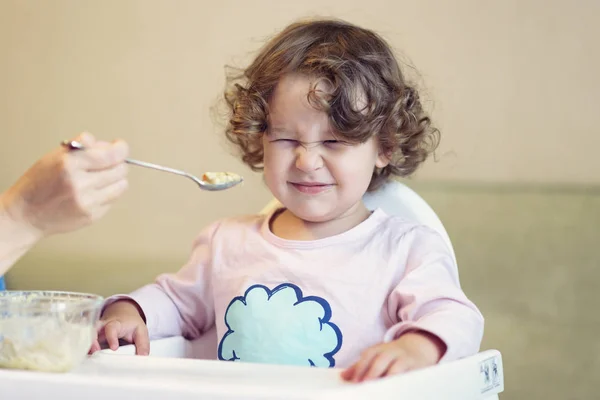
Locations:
{"points": [[181, 303], [428, 297]]}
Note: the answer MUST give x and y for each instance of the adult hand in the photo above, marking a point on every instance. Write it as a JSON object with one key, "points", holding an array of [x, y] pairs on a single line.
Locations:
{"points": [[66, 190]]}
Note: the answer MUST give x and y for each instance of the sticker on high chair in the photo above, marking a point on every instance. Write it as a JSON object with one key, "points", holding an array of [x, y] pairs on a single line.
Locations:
{"points": [[280, 326], [490, 374]]}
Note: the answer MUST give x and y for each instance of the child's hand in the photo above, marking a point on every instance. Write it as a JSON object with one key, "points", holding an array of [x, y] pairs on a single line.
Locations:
{"points": [[122, 320], [413, 350]]}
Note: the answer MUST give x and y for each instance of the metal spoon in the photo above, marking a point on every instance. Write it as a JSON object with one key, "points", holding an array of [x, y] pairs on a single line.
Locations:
{"points": [[232, 179]]}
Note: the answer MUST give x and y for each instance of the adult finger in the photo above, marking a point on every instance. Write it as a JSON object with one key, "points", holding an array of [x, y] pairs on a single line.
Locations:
{"points": [[141, 341], [112, 192], [107, 177], [103, 156], [86, 139]]}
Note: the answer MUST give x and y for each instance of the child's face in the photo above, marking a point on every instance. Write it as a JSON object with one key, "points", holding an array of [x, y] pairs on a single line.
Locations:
{"points": [[314, 175]]}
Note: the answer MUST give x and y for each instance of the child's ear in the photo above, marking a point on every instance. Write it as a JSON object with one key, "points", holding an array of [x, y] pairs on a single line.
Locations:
{"points": [[383, 157], [382, 160]]}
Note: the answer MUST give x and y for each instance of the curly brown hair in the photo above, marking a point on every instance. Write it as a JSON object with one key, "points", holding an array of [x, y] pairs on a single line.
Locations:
{"points": [[358, 65]]}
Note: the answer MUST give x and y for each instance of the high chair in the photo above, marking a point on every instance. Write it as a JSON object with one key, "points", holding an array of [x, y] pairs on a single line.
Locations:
{"points": [[182, 369]]}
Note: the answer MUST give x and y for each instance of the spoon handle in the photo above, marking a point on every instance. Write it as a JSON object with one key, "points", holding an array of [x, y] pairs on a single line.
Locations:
{"points": [[156, 166]]}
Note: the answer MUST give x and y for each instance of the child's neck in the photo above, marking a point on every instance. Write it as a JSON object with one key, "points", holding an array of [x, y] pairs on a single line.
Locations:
{"points": [[288, 226]]}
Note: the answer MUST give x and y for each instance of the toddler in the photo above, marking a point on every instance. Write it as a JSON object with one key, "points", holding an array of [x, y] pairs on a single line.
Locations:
{"points": [[326, 113]]}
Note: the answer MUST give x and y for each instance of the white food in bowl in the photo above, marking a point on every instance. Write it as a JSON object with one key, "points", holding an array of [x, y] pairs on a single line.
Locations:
{"points": [[43, 343], [46, 330]]}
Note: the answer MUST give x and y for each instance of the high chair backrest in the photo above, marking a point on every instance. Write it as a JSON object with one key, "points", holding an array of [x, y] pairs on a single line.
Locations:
{"points": [[395, 198]]}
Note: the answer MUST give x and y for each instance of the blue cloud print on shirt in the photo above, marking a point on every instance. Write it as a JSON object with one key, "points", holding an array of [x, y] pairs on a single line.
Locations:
{"points": [[280, 326]]}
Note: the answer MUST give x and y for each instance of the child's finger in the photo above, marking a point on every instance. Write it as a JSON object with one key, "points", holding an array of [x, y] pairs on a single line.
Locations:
{"points": [[348, 373], [111, 333], [95, 347], [141, 341], [399, 366], [99, 334], [363, 365], [379, 366]]}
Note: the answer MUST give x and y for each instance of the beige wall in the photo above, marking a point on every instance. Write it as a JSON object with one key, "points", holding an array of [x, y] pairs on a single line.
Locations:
{"points": [[514, 83], [508, 78]]}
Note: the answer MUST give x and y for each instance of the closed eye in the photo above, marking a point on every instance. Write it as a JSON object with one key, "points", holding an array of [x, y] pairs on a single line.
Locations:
{"points": [[284, 141], [335, 143]]}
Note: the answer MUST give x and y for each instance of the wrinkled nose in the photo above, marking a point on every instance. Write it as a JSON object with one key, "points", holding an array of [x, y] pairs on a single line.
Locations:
{"points": [[308, 158]]}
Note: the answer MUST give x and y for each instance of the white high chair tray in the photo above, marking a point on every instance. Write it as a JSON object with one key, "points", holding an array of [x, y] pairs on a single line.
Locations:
{"points": [[168, 374]]}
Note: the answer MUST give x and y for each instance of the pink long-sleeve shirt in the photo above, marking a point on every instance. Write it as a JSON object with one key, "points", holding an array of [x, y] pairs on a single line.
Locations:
{"points": [[318, 302]]}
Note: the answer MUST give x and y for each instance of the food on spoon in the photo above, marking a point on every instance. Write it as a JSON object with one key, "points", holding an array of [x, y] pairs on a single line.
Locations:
{"points": [[219, 178]]}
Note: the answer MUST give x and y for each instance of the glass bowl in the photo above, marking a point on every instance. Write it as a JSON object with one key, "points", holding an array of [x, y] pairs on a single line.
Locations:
{"points": [[46, 331]]}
